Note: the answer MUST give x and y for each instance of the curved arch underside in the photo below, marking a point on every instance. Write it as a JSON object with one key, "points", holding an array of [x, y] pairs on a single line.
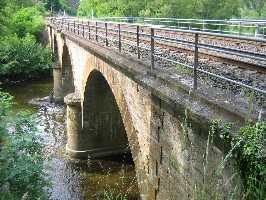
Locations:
{"points": [[55, 50], [67, 73], [107, 126], [102, 121], [105, 104]]}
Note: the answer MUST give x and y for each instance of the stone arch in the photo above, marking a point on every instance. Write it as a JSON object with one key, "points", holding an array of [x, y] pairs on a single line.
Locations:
{"points": [[132, 136], [63, 71], [67, 72], [55, 52], [50, 34], [102, 121]]}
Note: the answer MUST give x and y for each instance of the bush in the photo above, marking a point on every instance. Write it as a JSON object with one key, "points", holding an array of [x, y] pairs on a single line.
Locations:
{"points": [[21, 156], [250, 158], [5, 105], [28, 21], [23, 57]]}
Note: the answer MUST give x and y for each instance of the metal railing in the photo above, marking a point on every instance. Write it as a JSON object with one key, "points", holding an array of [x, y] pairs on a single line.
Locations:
{"points": [[245, 27], [137, 35]]}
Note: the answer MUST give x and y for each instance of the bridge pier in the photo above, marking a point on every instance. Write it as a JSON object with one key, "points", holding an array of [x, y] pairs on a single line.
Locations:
{"points": [[81, 142], [74, 125], [57, 74]]}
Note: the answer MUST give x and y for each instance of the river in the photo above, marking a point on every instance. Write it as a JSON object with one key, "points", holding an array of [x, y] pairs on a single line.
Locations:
{"points": [[73, 179]]}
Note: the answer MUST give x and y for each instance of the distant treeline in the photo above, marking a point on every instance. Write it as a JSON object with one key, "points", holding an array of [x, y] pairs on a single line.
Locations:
{"points": [[204, 9]]}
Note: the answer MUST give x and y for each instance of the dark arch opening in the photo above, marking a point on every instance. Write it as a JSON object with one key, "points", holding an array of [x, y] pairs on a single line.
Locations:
{"points": [[106, 133], [102, 121], [67, 73], [55, 51]]}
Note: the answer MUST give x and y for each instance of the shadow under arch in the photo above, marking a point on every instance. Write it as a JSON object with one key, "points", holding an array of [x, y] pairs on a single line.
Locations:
{"points": [[55, 56], [67, 72], [108, 125], [102, 121]]}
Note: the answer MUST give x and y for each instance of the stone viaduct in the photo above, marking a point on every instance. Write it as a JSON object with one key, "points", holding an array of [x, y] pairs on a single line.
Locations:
{"points": [[116, 104]]}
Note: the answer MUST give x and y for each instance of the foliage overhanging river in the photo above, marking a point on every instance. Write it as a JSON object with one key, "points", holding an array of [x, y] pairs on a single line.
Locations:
{"points": [[72, 179]]}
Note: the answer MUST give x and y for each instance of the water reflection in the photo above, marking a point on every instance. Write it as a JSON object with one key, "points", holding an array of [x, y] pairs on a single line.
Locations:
{"points": [[73, 179]]}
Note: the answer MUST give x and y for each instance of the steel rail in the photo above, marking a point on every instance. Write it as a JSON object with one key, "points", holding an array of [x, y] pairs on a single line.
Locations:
{"points": [[232, 51], [248, 65]]}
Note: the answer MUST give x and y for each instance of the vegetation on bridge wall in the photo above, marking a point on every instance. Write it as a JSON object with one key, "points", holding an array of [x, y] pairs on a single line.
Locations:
{"points": [[248, 151]]}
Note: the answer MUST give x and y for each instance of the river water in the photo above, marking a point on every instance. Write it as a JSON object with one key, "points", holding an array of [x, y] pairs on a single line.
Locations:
{"points": [[73, 179]]}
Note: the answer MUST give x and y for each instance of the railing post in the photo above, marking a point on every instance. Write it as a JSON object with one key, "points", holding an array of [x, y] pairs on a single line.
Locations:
{"points": [[152, 48], [74, 26], [78, 28], [240, 29], [257, 30], [89, 30], [68, 26], [138, 42], [119, 37], [106, 34], [96, 31], [83, 30], [196, 61]]}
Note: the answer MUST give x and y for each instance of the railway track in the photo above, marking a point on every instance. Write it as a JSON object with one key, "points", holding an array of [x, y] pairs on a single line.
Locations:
{"points": [[164, 46], [261, 67], [237, 51]]}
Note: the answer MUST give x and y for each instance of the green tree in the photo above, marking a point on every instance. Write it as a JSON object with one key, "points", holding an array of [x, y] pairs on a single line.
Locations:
{"points": [[59, 6], [84, 9], [52, 5], [204, 9], [220, 9], [215, 9], [173, 8], [2, 16], [27, 21], [23, 57], [103, 8], [15, 5], [65, 7], [254, 9]]}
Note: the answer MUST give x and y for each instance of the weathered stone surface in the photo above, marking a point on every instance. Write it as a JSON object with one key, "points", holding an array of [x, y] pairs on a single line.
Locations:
{"points": [[73, 99], [165, 123]]}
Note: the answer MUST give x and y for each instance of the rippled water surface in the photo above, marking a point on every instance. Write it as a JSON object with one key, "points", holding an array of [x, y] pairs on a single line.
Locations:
{"points": [[73, 179]]}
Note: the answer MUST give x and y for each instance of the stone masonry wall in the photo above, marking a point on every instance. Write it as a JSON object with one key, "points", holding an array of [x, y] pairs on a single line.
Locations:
{"points": [[167, 127]]}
